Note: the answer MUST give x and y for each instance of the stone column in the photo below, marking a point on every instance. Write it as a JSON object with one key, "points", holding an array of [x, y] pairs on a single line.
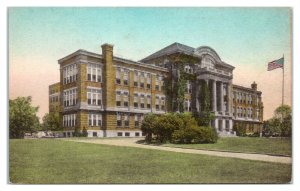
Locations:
{"points": [[197, 91], [230, 125], [217, 124], [214, 86], [221, 97], [223, 124]]}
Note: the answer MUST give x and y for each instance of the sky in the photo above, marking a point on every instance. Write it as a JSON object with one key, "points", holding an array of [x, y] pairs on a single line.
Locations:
{"points": [[247, 38]]}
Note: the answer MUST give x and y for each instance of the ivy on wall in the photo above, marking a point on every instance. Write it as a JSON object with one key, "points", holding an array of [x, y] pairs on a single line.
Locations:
{"points": [[175, 84]]}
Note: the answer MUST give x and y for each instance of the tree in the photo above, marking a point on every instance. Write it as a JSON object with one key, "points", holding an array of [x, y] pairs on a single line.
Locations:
{"points": [[148, 125], [205, 115], [280, 124], [51, 122], [283, 112], [22, 117]]}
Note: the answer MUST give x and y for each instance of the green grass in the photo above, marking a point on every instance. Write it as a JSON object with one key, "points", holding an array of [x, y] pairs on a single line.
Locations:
{"points": [[57, 161], [276, 146]]}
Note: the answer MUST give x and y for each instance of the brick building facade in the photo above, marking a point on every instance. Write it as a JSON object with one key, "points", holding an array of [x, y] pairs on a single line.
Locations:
{"points": [[109, 96]]}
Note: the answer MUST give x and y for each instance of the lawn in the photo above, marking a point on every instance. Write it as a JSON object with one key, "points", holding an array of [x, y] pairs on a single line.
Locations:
{"points": [[56, 161], [275, 146]]}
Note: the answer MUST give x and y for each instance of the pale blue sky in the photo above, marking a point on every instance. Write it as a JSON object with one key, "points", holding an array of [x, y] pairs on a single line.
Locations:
{"points": [[247, 38]]}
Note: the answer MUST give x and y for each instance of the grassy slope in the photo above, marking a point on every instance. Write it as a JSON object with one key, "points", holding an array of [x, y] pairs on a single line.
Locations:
{"points": [[56, 161], [246, 144]]}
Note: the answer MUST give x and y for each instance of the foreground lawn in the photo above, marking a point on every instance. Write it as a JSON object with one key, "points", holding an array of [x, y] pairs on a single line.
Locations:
{"points": [[277, 146], [57, 161]]}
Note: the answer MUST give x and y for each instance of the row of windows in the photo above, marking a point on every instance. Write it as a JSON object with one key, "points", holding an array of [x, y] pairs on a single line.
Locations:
{"points": [[54, 90], [244, 98], [127, 134], [246, 112], [141, 79], [70, 73], [125, 96], [124, 118], [94, 72], [94, 96], [70, 97], [95, 120], [54, 99], [188, 69], [69, 120]]}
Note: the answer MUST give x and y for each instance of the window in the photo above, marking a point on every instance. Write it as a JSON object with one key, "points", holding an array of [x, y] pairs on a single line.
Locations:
{"points": [[120, 134], [188, 87], [125, 77], [118, 98], [142, 101], [142, 82], [126, 119], [119, 119], [136, 74], [137, 134], [118, 76], [186, 105], [125, 99], [70, 73], [94, 72], [148, 81], [136, 120], [95, 119], [70, 97], [94, 134], [157, 82], [135, 100], [163, 104], [69, 120], [127, 134], [157, 103], [94, 96], [148, 101]]}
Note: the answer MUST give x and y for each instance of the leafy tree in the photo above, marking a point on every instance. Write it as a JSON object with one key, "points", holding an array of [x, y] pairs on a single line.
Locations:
{"points": [[283, 112], [148, 124], [51, 122], [22, 117], [280, 124]]}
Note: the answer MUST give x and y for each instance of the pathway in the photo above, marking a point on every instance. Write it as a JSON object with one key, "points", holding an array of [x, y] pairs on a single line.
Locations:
{"points": [[131, 142]]}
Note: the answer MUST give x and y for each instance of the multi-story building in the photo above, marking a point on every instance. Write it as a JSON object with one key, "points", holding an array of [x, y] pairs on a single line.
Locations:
{"points": [[108, 96], [54, 98]]}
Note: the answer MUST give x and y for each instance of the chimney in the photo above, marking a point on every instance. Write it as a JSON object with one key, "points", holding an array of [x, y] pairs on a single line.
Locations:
{"points": [[108, 76], [107, 52], [254, 86]]}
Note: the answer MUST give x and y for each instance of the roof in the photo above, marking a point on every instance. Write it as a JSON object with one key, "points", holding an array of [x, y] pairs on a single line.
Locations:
{"points": [[181, 48], [87, 53], [244, 88], [171, 49]]}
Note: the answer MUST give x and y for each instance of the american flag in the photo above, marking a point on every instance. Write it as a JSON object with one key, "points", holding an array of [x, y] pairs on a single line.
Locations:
{"points": [[276, 64]]}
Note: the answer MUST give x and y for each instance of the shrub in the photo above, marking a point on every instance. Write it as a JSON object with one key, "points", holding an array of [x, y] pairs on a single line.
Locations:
{"points": [[240, 129], [148, 125], [176, 127], [195, 134]]}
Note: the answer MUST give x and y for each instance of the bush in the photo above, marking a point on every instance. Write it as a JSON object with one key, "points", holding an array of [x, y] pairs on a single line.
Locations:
{"points": [[240, 129], [195, 134], [176, 127]]}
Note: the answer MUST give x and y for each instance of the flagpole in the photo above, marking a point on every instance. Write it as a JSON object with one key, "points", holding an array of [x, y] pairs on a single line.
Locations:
{"points": [[282, 83]]}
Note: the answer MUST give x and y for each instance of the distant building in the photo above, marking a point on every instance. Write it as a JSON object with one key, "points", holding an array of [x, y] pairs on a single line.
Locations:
{"points": [[109, 96]]}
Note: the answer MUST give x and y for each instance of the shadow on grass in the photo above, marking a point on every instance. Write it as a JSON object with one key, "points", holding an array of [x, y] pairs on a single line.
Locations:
{"points": [[153, 143]]}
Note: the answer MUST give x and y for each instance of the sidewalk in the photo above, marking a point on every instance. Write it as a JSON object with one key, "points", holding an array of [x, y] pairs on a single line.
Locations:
{"points": [[131, 142]]}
